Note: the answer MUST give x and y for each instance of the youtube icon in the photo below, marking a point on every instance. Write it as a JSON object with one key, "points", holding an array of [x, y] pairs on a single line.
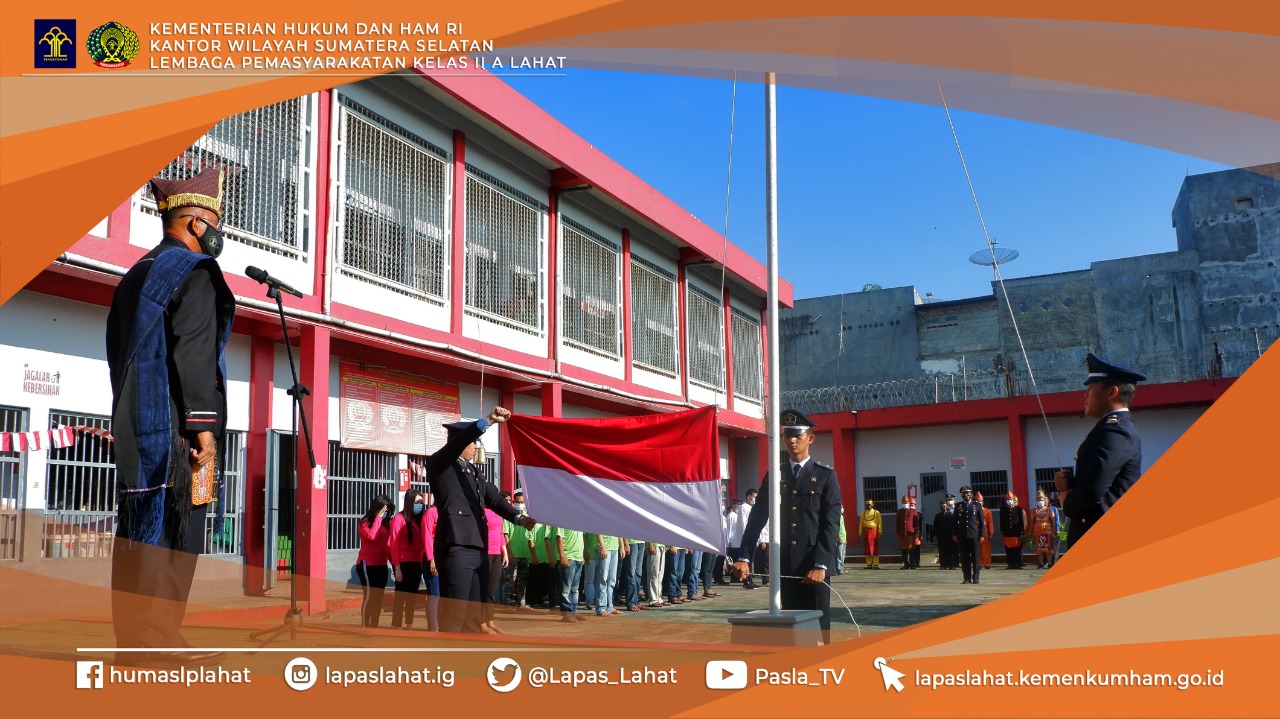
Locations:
{"points": [[727, 674]]}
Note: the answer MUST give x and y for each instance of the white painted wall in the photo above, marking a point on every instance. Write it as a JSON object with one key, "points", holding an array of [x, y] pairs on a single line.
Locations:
{"points": [[908, 453]]}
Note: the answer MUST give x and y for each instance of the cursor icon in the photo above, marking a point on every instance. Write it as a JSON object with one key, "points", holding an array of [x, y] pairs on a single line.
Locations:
{"points": [[892, 677]]}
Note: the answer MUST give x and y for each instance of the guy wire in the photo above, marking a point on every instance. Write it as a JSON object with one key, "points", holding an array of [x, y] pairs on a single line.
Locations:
{"points": [[995, 266]]}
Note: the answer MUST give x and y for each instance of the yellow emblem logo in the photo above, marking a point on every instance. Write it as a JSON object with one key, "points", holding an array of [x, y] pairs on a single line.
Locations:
{"points": [[112, 45]]}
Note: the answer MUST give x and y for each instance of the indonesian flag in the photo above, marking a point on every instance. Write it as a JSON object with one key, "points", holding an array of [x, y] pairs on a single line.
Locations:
{"points": [[652, 477]]}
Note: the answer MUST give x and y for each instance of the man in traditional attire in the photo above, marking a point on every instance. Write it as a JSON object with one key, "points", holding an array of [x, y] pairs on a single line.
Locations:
{"points": [[1044, 528], [166, 331], [1013, 525], [909, 532], [869, 528]]}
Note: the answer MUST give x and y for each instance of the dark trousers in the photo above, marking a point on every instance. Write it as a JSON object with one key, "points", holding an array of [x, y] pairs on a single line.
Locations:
{"points": [[553, 584], [518, 580], [406, 594], [150, 584], [491, 596], [373, 585], [969, 562], [728, 556], [1013, 557], [911, 557], [464, 580], [708, 566], [798, 595], [760, 564], [536, 591], [949, 552]]}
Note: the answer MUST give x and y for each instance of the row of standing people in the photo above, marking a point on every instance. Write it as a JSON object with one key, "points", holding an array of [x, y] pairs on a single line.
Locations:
{"points": [[1041, 523], [402, 546]]}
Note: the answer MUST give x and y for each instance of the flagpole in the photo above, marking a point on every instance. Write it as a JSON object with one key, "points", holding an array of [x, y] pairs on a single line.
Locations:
{"points": [[771, 233]]}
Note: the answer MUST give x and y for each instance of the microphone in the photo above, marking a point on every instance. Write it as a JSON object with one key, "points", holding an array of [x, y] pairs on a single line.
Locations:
{"points": [[254, 273]]}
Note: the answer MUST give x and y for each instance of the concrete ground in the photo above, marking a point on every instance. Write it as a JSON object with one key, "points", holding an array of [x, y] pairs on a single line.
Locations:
{"points": [[878, 600]]}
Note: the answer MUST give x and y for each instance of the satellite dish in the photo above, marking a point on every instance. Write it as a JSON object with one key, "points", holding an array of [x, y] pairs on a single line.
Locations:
{"points": [[994, 256]]}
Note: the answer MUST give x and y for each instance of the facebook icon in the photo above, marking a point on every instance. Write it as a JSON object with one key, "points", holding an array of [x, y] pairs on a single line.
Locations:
{"points": [[88, 675]]}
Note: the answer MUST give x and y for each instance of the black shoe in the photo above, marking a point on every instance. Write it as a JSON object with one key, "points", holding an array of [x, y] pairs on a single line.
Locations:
{"points": [[966, 582], [975, 581]]}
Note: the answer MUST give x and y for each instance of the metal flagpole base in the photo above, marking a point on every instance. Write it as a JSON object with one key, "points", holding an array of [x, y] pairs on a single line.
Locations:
{"points": [[790, 628]]}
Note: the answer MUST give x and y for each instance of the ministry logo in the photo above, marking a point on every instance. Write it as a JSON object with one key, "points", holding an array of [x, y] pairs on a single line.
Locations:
{"points": [[112, 45], [55, 44]]}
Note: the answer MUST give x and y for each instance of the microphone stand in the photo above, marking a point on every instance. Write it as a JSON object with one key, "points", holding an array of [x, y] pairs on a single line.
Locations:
{"points": [[292, 621]]}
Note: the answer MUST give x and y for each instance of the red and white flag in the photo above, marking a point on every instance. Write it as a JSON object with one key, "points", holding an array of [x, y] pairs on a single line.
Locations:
{"points": [[652, 477]]}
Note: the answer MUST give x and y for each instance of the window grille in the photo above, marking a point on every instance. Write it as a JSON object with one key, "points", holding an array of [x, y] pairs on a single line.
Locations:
{"points": [[224, 537], [80, 492], [653, 318], [266, 154], [395, 206], [1044, 480], [706, 340], [12, 486], [589, 288], [748, 362], [931, 483], [356, 476], [881, 490], [488, 470], [504, 259], [992, 484]]}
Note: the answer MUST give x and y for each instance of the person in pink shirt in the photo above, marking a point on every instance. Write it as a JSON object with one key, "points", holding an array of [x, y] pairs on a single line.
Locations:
{"points": [[498, 559], [407, 551], [429, 520], [371, 563]]}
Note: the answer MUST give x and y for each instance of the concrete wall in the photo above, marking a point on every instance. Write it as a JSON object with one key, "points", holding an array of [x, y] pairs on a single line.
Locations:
{"points": [[908, 453], [1202, 311], [849, 339]]}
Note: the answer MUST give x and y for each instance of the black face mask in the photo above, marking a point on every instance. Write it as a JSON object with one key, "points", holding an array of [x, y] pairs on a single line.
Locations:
{"points": [[211, 240]]}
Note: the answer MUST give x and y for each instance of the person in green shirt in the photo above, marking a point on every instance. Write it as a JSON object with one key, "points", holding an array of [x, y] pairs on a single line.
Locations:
{"points": [[602, 574], [568, 549], [518, 542]]}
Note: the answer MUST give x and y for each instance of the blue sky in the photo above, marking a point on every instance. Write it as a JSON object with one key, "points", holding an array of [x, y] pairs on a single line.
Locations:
{"points": [[872, 190]]}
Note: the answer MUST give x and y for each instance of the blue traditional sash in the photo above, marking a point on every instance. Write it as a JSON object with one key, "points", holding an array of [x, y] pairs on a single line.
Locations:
{"points": [[143, 510]]}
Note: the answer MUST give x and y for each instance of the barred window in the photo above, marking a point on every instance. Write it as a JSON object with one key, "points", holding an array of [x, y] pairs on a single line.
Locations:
{"points": [[932, 483], [80, 492], [266, 156], [395, 202], [589, 290], [504, 264], [1044, 481], [356, 476], [748, 363], [12, 486], [992, 484], [881, 490], [706, 340], [653, 318]]}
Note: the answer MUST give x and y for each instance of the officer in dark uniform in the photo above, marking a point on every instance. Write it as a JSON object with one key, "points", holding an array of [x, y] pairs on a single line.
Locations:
{"points": [[970, 527], [462, 532], [809, 524], [1109, 460]]}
